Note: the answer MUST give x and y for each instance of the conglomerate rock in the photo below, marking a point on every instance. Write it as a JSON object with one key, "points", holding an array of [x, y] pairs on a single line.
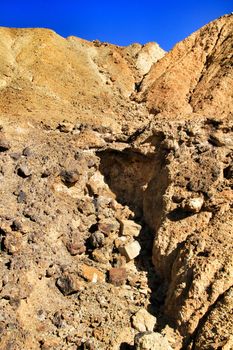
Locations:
{"points": [[103, 148]]}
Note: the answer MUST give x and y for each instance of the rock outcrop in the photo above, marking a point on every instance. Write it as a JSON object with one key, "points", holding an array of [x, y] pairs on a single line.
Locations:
{"points": [[116, 192], [195, 77]]}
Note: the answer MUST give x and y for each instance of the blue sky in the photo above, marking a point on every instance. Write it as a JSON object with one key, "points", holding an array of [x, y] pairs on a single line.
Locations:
{"points": [[119, 22]]}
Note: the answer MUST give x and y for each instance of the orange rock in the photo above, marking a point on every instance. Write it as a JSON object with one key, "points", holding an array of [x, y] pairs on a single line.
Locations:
{"points": [[91, 274]]}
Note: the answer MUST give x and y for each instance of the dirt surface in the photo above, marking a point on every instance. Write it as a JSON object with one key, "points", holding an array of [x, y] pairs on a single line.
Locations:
{"points": [[116, 207]]}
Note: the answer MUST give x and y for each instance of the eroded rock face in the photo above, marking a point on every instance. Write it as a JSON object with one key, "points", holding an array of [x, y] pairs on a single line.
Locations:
{"points": [[219, 318], [110, 159], [194, 77]]}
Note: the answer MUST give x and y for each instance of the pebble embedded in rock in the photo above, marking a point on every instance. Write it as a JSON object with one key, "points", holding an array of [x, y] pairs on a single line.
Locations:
{"points": [[13, 242], [97, 239], [107, 226], [69, 176], [92, 274], [24, 171], [58, 320], [16, 225], [130, 250], [4, 144], [102, 256], [21, 197], [27, 151], [120, 241], [117, 276], [65, 127], [170, 144], [76, 248], [15, 156], [193, 205], [68, 284], [46, 173]]}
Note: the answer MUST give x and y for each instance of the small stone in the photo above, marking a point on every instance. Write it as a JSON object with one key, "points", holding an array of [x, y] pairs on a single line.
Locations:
{"points": [[21, 197], [58, 320], [97, 239], [41, 315], [78, 126], [4, 144], [108, 226], [117, 276], [16, 225], [193, 205], [27, 152], [143, 321], [52, 270], [24, 171], [13, 242], [170, 144], [101, 255], [85, 206], [70, 177], [151, 341], [96, 184], [65, 127], [120, 241], [69, 284], [130, 250], [31, 214], [46, 173], [15, 156], [130, 228], [92, 162], [91, 274], [75, 248]]}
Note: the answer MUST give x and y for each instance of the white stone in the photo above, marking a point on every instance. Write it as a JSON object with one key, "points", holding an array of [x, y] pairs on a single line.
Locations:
{"points": [[151, 341], [130, 228], [143, 321], [194, 204], [130, 250]]}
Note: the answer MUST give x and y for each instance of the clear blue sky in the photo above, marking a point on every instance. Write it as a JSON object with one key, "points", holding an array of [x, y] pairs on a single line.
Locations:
{"points": [[120, 22]]}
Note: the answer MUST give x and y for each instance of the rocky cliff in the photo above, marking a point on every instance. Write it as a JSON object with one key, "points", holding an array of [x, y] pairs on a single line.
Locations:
{"points": [[116, 207]]}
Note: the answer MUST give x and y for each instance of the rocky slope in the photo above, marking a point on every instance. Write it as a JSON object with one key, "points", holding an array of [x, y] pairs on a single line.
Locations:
{"points": [[116, 192], [46, 77]]}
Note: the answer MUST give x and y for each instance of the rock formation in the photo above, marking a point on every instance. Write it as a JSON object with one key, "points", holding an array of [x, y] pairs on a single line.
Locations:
{"points": [[116, 173]]}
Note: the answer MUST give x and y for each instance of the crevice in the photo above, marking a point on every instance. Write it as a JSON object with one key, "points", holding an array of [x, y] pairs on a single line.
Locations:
{"points": [[192, 339], [138, 84], [139, 183]]}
